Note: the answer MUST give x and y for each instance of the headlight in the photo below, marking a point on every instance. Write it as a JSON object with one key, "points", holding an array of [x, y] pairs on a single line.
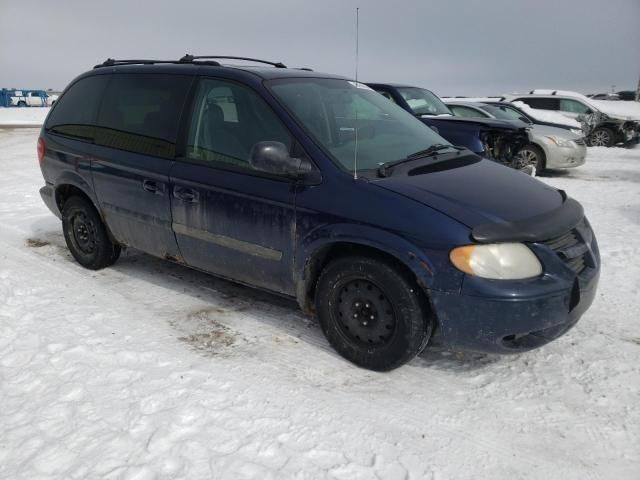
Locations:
{"points": [[500, 261], [561, 142], [577, 131]]}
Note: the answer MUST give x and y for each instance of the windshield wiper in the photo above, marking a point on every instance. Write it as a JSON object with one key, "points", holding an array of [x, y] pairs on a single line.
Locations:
{"points": [[383, 169], [429, 151]]}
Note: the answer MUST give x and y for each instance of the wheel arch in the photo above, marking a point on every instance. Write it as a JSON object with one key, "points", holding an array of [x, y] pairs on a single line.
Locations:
{"points": [[69, 187], [396, 251]]}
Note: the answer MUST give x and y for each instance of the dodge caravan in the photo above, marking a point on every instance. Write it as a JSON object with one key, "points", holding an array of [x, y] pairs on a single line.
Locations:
{"points": [[316, 187]]}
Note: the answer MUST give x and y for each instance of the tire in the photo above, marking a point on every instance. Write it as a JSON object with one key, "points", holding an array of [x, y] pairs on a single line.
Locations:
{"points": [[86, 235], [372, 313], [22, 104], [602, 137], [534, 155]]}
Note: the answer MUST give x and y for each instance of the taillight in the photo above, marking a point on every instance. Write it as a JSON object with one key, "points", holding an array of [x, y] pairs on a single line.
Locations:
{"points": [[41, 149]]}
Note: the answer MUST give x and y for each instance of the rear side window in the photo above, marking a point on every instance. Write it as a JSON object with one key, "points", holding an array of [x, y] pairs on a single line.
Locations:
{"points": [[140, 113], [541, 103], [75, 112]]}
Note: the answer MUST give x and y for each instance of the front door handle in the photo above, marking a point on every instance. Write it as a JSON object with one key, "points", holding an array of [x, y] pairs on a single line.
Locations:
{"points": [[153, 187], [187, 195]]}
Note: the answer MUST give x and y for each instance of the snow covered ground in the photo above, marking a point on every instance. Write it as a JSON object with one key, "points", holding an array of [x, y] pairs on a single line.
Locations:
{"points": [[23, 117], [148, 370]]}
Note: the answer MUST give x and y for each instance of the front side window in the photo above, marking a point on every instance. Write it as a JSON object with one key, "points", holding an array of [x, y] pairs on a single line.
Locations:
{"points": [[331, 110], [423, 102], [74, 114], [227, 120], [460, 111], [573, 106], [503, 112], [140, 113]]}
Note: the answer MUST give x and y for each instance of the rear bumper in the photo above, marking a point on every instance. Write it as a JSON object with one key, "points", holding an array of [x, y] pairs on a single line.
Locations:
{"points": [[48, 196]]}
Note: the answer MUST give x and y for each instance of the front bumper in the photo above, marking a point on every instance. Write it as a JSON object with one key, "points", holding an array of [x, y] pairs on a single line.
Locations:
{"points": [[514, 316], [566, 157]]}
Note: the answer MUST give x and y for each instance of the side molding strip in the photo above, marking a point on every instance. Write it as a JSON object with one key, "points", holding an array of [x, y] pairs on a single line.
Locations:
{"points": [[228, 242]]}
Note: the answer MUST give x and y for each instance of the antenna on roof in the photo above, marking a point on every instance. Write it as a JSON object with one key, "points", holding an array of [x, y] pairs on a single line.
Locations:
{"points": [[355, 153]]}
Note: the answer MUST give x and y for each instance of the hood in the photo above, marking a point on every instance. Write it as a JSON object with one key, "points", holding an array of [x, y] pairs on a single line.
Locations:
{"points": [[477, 193], [538, 129], [493, 123], [619, 109]]}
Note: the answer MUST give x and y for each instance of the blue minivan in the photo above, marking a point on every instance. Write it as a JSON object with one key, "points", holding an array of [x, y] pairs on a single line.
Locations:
{"points": [[316, 187]]}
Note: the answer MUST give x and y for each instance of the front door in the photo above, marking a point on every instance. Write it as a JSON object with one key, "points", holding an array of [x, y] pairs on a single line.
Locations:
{"points": [[228, 218]]}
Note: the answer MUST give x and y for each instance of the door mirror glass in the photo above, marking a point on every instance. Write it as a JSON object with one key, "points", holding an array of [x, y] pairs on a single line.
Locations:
{"points": [[273, 157]]}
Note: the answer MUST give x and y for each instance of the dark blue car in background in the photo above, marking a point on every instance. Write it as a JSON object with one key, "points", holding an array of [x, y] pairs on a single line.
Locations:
{"points": [[316, 187], [491, 138]]}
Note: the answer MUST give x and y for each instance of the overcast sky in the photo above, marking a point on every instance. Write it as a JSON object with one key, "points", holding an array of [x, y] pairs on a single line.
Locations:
{"points": [[453, 47]]}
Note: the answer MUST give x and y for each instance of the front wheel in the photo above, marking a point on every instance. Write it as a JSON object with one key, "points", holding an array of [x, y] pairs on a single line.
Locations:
{"points": [[371, 312], [602, 137], [86, 235], [534, 156]]}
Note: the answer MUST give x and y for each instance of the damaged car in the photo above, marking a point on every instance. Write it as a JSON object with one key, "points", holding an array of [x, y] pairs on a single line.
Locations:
{"points": [[549, 147], [491, 138], [604, 123]]}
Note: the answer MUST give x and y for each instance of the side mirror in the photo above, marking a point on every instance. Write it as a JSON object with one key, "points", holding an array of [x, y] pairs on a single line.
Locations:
{"points": [[273, 157], [435, 129]]}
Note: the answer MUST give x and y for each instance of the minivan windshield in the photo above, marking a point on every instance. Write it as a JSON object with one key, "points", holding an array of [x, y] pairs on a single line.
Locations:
{"points": [[331, 110], [423, 102]]}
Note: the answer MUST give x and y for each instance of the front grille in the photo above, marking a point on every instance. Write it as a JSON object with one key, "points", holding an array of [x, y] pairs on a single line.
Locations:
{"points": [[572, 246]]}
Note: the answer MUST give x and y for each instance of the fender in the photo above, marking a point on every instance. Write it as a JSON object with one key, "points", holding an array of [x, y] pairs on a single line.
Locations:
{"points": [[424, 263]]}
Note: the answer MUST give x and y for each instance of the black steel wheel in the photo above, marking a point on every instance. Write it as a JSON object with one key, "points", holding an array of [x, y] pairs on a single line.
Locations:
{"points": [[372, 312], [364, 313], [86, 236]]}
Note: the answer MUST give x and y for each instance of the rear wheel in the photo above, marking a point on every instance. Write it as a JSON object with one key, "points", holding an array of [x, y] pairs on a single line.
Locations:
{"points": [[86, 235], [371, 312], [21, 103], [602, 137]]}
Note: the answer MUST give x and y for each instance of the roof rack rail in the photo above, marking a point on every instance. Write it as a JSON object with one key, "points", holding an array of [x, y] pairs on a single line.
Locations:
{"points": [[190, 58], [112, 62], [200, 59]]}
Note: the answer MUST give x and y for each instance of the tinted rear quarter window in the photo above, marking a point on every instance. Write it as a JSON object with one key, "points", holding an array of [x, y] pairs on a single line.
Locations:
{"points": [[140, 113], [541, 103], [74, 113]]}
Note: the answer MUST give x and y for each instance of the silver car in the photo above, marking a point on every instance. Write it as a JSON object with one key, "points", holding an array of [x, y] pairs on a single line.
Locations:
{"points": [[550, 147]]}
